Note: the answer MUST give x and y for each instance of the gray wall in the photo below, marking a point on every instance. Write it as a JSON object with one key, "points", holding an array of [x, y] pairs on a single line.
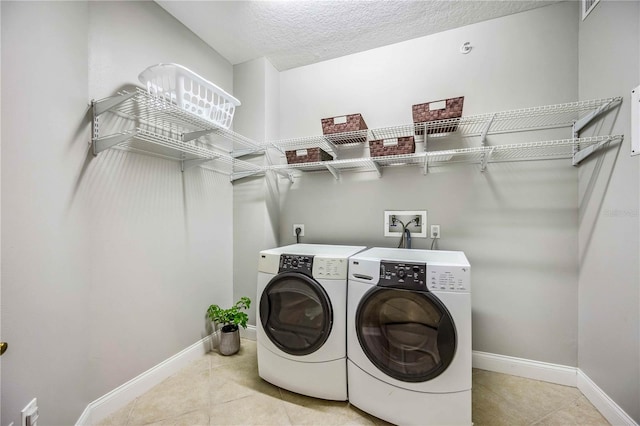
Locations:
{"points": [[517, 222], [608, 223], [46, 318], [256, 209], [109, 263]]}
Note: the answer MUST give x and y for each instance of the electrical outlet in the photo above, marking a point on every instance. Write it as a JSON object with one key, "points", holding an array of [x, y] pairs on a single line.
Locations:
{"points": [[393, 228], [295, 226], [435, 231]]}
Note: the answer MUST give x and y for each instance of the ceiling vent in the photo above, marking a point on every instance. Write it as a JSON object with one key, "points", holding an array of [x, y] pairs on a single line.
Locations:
{"points": [[587, 7]]}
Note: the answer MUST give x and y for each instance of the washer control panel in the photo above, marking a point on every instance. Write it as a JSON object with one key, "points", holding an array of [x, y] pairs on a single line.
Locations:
{"points": [[449, 278], [330, 268], [403, 275], [296, 263]]}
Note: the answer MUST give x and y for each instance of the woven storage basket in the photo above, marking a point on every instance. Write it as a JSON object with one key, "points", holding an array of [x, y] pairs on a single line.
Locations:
{"points": [[393, 146], [445, 109], [309, 155], [334, 126]]}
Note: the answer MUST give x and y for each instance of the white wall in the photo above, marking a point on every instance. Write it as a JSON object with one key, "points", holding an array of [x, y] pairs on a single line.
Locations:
{"points": [[109, 262], [517, 222], [609, 321]]}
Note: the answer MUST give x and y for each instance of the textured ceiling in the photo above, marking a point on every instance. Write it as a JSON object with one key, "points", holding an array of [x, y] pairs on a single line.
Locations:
{"points": [[300, 32]]}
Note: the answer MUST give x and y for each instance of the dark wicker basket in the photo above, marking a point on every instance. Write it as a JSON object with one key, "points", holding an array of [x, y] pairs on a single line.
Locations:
{"points": [[334, 126], [394, 146], [423, 113], [309, 155]]}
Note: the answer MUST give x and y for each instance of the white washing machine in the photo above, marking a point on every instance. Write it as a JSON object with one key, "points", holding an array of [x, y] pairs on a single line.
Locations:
{"points": [[301, 318], [409, 336]]}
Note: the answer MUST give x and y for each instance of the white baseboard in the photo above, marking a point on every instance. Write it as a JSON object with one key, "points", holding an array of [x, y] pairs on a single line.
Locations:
{"points": [[124, 394], [607, 407], [249, 332], [553, 373]]}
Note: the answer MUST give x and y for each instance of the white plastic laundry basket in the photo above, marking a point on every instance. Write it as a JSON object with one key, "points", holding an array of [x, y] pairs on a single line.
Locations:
{"points": [[177, 84]]}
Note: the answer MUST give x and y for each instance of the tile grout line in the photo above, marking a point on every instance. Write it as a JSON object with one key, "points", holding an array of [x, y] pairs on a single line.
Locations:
{"points": [[209, 390], [568, 404], [284, 406], [135, 401]]}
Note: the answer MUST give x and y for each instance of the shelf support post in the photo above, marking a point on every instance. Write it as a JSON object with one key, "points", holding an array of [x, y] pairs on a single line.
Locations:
{"points": [[486, 155]]}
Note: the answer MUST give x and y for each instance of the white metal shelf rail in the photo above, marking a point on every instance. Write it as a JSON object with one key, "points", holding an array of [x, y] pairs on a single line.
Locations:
{"points": [[576, 115], [170, 132], [555, 149]]}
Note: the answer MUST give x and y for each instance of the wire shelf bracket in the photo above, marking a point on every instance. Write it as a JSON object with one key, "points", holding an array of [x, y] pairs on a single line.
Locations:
{"points": [[186, 137], [335, 172], [284, 173], [378, 169], [188, 164], [106, 142], [483, 137], [109, 103], [584, 121], [582, 154], [241, 175]]}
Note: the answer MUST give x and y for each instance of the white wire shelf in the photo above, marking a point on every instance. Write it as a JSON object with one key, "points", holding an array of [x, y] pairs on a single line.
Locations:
{"points": [[519, 120], [167, 118], [161, 128], [158, 127], [190, 154], [576, 149]]}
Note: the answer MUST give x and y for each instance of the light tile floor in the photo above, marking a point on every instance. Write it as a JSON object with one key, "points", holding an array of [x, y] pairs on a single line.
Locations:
{"points": [[219, 390]]}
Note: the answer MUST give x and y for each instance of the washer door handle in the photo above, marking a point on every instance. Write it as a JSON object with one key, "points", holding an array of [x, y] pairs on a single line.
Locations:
{"points": [[264, 309]]}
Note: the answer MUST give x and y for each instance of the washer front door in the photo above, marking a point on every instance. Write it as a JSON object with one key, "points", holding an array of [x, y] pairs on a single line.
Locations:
{"points": [[296, 313], [409, 335]]}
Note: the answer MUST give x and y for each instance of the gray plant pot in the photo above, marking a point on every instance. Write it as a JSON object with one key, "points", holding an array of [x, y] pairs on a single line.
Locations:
{"points": [[229, 342]]}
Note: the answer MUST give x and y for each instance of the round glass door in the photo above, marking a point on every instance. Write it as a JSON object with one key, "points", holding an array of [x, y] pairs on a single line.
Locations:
{"points": [[408, 335], [296, 313]]}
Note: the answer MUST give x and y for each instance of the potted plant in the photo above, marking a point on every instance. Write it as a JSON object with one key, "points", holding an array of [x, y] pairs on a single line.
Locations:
{"points": [[230, 319]]}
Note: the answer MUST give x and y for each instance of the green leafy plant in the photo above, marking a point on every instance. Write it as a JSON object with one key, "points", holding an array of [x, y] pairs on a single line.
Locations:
{"points": [[232, 317]]}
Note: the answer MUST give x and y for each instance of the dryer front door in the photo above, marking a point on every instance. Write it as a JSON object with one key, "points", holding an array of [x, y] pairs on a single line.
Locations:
{"points": [[296, 313], [408, 335]]}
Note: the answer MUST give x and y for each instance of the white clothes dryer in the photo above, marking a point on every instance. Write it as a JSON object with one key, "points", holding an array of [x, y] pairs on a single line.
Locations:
{"points": [[301, 318], [409, 336]]}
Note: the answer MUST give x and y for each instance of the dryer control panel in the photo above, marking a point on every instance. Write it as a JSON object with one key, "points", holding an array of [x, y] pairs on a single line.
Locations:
{"points": [[449, 278], [296, 263], [403, 275]]}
